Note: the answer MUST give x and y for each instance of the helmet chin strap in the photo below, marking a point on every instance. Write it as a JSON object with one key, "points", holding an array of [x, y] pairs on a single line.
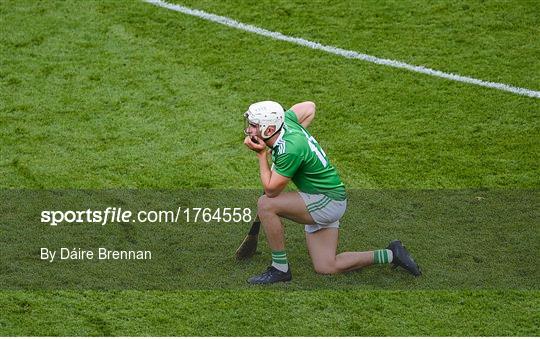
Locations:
{"points": [[276, 132]]}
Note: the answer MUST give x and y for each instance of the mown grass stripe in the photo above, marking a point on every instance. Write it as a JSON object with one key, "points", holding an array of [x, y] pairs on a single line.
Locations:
{"points": [[343, 52], [340, 313]]}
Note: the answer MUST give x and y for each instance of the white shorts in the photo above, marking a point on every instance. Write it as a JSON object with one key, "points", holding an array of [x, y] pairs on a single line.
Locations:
{"points": [[325, 212]]}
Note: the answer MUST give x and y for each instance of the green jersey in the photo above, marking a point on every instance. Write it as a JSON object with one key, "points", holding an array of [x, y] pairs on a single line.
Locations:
{"points": [[297, 155]]}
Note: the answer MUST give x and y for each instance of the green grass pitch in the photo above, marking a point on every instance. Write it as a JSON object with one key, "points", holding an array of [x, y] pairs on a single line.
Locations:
{"points": [[123, 94]]}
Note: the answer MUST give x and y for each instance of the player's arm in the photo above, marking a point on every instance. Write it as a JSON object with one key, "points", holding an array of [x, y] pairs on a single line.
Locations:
{"points": [[305, 112], [273, 183]]}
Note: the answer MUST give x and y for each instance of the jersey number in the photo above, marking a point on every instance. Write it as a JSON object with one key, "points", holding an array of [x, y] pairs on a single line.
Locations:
{"points": [[318, 150]]}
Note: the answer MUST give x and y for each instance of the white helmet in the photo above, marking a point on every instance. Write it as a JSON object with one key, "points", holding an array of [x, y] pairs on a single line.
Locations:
{"points": [[265, 114]]}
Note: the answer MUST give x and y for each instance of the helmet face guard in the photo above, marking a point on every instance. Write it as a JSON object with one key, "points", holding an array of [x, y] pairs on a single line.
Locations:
{"points": [[264, 114]]}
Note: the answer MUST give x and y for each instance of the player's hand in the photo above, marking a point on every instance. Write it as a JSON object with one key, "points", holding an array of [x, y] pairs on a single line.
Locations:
{"points": [[258, 146]]}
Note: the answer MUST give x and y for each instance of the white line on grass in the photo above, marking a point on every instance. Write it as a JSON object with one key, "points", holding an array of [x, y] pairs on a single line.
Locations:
{"points": [[343, 52]]}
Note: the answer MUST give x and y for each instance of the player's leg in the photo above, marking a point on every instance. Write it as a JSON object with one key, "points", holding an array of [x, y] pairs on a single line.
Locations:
{"points": [[322, 246], [288, 205], [270, 210], [322, 239]]}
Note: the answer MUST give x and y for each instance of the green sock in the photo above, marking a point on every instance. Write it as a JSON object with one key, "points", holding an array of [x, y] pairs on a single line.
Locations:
{"points": [[279, 260], [382, 256]]}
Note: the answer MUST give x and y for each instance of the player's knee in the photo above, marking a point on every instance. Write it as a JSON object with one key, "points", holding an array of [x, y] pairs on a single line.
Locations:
{"points": [[326, 268], [264, 204]]}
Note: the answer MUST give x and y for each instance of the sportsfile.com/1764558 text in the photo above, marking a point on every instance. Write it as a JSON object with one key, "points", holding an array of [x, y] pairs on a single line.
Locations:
{"points": [[120, 215]]}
